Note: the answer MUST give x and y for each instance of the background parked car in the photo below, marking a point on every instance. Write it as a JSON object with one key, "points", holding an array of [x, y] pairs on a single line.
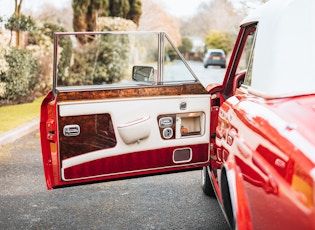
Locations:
{"points": [[214, 57]]}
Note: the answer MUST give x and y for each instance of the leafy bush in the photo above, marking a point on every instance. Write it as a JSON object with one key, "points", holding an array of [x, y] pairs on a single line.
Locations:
{"points": [[102, 60], [170, 53], [41, 43], [20, 79], [218, 40], [113, 59], [44, 57], [115, 24], [65, 44], [186, 45]]}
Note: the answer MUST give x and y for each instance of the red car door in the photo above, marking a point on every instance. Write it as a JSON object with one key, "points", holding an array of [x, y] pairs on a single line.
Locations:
{"points": [[122, 105]]}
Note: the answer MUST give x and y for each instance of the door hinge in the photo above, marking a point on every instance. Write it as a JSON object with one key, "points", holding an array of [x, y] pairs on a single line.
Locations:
{"points": [[51, 130]]}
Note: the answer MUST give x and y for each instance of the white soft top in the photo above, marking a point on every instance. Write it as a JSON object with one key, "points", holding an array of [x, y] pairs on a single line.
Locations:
{"points": [[284, 55]]}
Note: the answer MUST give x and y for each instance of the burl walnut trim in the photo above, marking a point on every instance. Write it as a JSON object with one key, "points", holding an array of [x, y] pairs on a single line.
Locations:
{"points": [[173, 126], [96, 132], [140, 91]]}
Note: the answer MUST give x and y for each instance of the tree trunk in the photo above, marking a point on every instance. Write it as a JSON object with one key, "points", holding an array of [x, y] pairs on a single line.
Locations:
{"points": [[17, 11]]}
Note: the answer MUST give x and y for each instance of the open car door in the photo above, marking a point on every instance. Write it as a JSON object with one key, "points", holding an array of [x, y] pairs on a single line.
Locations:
{"points": [[123, 104]]}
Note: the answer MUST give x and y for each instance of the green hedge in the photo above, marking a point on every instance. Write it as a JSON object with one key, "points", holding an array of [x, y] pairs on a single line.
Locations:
{"points": [[20, 79]]}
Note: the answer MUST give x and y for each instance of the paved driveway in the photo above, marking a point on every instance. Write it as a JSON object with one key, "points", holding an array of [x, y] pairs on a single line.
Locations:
{"points": [[173, 201]]}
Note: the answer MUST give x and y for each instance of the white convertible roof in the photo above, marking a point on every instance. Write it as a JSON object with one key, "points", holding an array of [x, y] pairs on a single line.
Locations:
{"points": [[284, 54]]}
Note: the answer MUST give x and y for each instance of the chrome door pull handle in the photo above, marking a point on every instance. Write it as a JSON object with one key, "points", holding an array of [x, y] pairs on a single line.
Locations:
{"points": [[71, 130]]}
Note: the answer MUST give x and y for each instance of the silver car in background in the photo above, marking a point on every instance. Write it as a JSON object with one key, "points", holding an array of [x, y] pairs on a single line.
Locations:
{"points": [[215, 57]]}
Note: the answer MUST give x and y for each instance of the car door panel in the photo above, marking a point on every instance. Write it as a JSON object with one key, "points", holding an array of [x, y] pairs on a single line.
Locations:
{"points": [[117, 111], [142, 112], [112, 134]]}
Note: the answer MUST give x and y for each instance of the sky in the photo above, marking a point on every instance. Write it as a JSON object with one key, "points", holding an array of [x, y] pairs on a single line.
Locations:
{"points": [[180, 8], [177, 8], [7, 6]]}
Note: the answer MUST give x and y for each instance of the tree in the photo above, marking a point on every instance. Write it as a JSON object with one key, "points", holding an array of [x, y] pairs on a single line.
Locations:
{"points": [[135, 11], [18, 23], [15, 18], [219, 15], [218, 40], [155, 18], [186, 45], [85, 12], [52, 14], [249, 5]]}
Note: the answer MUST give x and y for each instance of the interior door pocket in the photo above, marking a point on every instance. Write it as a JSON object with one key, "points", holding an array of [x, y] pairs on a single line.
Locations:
{"points": [[135, 131]]}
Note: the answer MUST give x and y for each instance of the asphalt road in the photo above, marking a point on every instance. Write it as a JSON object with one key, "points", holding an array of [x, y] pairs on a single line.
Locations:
{"points": [[213, 74], [172, 201]]}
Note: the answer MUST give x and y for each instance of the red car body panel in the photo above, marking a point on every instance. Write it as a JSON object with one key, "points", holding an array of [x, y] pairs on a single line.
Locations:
{"points": [[276, 173], [49, 142], [264, 148]]}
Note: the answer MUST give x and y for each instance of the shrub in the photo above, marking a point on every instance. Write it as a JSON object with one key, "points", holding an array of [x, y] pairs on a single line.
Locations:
{"points": [[41, 43], [3, 64], [218, 40], [115, 24], [44, 57], [21, 76], [102, 60], [186, 45]]}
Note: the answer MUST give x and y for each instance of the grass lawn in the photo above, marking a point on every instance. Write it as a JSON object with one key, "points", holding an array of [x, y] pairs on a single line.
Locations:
{"points": [[13, 116]]}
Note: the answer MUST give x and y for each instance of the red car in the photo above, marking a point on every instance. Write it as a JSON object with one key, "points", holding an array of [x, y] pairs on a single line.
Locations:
{"points": [[116, 111]]}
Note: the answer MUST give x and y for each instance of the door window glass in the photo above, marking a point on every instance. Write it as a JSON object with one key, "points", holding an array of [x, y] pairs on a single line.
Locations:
{"points": [[248, 49], [108, 58], [247, 57]]}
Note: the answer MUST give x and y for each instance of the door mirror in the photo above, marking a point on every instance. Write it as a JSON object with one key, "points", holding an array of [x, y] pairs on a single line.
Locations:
{"points": [[143, 73]]}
